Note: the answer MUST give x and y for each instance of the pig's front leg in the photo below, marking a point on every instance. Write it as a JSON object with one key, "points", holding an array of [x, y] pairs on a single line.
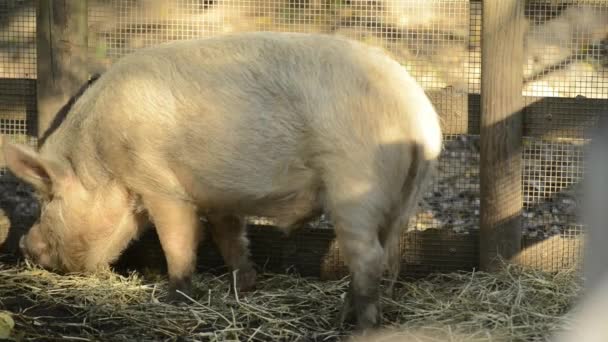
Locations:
{"points": [[179, 231]]}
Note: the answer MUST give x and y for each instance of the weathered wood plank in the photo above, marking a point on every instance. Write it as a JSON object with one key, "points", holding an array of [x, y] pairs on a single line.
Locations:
{"points": [[501, 131], [61, 54], [543, 117], [563, 118], [313, 252]]}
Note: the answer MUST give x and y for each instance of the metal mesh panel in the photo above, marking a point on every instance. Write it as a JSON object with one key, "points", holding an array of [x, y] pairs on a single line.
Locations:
{"points": [[566, 80], [551, 185], [17, 67], [566, 89], [566, 49], [17, 111]]}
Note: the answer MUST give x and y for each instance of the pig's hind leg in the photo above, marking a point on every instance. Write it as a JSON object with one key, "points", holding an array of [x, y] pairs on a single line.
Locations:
{"points": [[229, 235], [356, 206]]}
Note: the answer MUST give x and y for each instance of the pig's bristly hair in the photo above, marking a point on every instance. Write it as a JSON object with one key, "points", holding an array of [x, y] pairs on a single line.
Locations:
{"points": [[65, 109]]}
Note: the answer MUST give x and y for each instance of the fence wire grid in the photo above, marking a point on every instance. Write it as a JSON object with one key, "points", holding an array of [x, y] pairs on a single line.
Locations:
{"points": [[438, 41]]}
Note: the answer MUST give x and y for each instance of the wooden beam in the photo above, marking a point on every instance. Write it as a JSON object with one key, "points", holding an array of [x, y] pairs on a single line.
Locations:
{"points": [[313, 252], [563, 118], [543, 117], [501, 131], [61, 32]]}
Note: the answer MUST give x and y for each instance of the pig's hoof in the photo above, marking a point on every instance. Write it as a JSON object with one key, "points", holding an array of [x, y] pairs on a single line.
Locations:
{"points": [[368, 317], [347, 312], [179, 291], [246, 280], [389, 291], [367, 323], [176, 298]]}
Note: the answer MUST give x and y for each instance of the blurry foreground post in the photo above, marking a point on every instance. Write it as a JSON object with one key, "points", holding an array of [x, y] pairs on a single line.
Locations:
{"points": [[501, 130], [590, 315], [61, 34]]}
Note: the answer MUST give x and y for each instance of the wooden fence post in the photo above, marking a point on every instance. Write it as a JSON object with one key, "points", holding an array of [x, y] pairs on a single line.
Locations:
{"points": [[61, 34], [501, 130]]}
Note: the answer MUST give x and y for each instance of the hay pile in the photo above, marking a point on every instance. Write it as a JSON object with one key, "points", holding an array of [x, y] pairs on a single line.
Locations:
{"points": [[524, 305]]}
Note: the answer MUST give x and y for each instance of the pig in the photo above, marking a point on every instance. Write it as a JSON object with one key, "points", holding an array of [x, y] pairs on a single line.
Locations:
{"points": [[279, 125]]}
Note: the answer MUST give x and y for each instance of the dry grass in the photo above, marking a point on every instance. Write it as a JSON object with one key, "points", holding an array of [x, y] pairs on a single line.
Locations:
{"points": [[523, 305]]}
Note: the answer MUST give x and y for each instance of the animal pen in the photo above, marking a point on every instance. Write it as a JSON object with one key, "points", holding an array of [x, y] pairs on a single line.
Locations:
{"points": [[509, 174]]}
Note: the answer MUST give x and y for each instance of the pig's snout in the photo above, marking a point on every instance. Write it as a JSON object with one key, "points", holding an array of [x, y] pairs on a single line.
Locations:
{"points": [[35, 251]]}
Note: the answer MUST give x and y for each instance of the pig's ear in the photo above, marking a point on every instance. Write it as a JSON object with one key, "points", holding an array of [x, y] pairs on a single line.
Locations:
{"points": [[27, 164]]}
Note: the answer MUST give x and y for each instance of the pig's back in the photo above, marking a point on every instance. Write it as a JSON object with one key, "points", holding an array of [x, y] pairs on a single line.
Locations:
{"points": [[258, 104], [253, 76]]}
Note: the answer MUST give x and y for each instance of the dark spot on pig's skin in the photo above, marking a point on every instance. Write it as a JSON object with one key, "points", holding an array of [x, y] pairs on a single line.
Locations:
{"points": [[63, 112]]}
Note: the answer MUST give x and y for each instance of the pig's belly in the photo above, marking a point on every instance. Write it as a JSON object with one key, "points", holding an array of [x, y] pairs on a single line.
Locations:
{"points": [[288, 196]]}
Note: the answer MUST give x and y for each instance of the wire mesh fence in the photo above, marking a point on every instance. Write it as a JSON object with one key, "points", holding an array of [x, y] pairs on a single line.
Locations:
{"points": [[17, 68], [565, 92], [17, 109], [438, 41]]}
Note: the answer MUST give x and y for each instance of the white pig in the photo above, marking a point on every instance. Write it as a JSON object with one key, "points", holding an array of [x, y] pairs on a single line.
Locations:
{"points": [[281, 125]]}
